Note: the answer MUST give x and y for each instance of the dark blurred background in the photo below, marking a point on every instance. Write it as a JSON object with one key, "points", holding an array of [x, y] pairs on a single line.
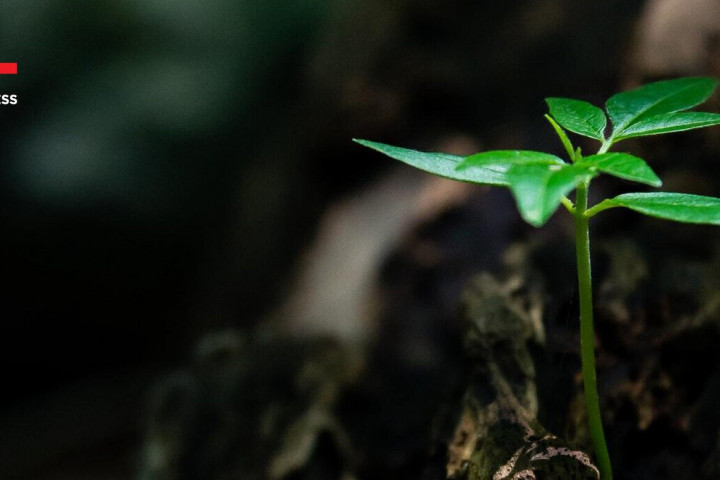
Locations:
{"points": [[168, 162]]}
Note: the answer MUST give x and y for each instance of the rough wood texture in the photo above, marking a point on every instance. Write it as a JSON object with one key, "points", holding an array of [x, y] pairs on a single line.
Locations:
{"points": [[498, 436]]}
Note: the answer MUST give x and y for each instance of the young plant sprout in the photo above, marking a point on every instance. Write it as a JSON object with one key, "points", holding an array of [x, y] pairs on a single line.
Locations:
{"points": [[540, 183]]}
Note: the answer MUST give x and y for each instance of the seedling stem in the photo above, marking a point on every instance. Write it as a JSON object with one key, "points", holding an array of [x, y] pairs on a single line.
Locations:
{"points": [[587, 331]]}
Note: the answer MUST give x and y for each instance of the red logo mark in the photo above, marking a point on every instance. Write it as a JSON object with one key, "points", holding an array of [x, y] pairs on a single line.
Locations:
{"points": [[8, 68]]}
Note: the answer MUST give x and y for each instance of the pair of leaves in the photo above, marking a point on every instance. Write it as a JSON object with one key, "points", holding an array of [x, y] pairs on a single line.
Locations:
{"points": [[649, 110], [537, 180]]}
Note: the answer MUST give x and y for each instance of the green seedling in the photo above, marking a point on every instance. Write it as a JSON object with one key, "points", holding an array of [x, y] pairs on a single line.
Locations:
{"points": [[540, 183]]}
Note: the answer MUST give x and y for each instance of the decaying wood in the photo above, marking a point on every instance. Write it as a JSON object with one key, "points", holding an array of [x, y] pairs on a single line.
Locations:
{"points": [[498, 436], [247, 409]]}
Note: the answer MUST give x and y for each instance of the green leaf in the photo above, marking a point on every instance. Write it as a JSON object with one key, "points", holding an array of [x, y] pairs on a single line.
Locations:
{"points": [[507, 158], [577, 116], [539, 189], [442, 164], [656, 98], [670, 122], [680, 207], [623, 165]]}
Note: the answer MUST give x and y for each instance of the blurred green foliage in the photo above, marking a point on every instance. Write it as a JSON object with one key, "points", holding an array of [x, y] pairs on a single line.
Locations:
{"points": [[121, 166], [137, 104]]}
